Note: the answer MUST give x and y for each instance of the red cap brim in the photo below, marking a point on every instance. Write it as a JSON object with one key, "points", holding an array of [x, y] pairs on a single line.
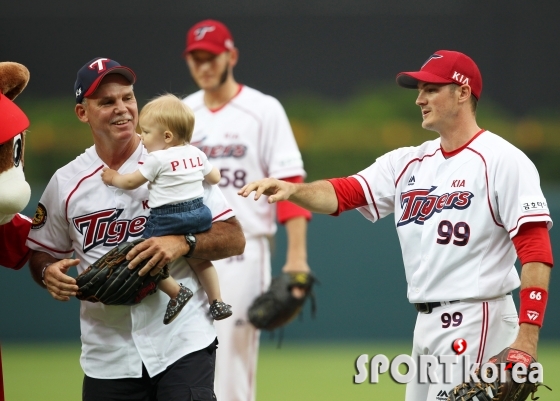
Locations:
{"points": [[12, 120], [124, 71], [209, 47], [410, 79]]}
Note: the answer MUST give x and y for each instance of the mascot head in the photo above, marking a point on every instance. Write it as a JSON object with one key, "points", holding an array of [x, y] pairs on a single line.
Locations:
{"points": [[14, 190]]}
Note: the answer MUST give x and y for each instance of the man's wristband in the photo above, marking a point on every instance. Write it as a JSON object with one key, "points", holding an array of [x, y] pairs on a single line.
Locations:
{"points": [[532, 304], [43, 273], [191, 240]]}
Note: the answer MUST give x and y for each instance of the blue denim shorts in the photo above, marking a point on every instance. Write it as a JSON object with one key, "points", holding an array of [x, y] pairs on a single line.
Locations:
{"points": [[180, 218]]}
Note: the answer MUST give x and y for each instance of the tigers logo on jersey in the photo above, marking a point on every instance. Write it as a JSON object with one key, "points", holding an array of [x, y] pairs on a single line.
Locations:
{"points": [[418, 205], [220, 151], [104, 228]]}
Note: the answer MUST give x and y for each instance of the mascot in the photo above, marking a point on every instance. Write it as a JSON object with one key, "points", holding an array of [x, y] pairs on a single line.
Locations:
{"points": [[14, 190]]}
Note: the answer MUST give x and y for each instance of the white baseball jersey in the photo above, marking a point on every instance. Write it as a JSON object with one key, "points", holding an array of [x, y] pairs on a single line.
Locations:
{"points": [[175, 174], [248, 139], [79, 215], [455, 216]]}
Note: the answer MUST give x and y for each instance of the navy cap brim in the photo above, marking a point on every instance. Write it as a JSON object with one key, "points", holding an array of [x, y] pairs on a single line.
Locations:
{"points": [[122, 70]]}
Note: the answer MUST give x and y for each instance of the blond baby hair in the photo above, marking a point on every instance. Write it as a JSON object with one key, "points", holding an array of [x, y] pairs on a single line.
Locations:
{"points": [[175, 116]]}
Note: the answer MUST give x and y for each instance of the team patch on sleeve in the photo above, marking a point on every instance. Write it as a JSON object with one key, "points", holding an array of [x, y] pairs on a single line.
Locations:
{"points": [[533, 204], [40, 217]]}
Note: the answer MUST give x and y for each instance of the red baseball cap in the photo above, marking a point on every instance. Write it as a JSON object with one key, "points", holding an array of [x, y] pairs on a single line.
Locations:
{"points": [[12, 120], [209, 35], [445, 67]]}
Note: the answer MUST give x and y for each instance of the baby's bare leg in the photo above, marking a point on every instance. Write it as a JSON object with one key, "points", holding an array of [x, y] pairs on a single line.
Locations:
{"points": [[208, 278], [169, 286]]}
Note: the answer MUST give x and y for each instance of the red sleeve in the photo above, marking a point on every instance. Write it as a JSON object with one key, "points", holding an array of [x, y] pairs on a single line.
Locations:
{"points": [[13, 251], [349, 193], [532, 243], [287, 210]]}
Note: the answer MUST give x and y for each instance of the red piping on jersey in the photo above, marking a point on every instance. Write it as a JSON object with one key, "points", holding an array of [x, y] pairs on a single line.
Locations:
{"points": [[447, 155], [225, 104], [414, 160], [50, 249], [75, 189], [370, 194], [523, 217], [221, 214], [254, 333], [487, 190], [483, 332]]}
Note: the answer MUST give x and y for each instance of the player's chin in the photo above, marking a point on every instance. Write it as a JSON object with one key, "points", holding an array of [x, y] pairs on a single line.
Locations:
{"points": [[428, 125], [124, 130]]}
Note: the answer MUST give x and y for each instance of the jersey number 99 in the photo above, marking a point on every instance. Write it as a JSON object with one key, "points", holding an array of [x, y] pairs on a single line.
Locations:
{"points": [[461, 231]]}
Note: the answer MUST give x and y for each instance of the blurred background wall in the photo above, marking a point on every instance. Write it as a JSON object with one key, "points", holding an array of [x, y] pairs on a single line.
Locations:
{"points": [[332, 64]]}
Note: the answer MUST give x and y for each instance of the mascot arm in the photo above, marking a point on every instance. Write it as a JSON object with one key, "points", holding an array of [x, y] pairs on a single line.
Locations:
{"points": [[13, 251]]}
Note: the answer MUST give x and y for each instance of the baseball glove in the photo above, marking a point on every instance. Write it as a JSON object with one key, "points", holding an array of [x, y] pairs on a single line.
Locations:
{"points": [[497, 390], [277, 306], [111, 282]]}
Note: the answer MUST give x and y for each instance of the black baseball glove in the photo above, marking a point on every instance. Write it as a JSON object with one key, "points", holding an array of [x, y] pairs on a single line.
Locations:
{"points": [[508, 390], [277, 306], [110, 281]]}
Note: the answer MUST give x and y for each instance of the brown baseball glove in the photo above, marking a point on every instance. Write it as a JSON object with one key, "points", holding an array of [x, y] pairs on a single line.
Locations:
{"points": [[277, 306], [509, 390], [109, 280]]}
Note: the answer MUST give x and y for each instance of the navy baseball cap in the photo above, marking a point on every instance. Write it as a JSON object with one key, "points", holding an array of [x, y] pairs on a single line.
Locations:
{"points": [[91, 74]]}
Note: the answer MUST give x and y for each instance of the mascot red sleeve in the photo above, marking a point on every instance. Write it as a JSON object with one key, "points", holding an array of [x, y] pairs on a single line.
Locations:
{"points": [[14, 190]]}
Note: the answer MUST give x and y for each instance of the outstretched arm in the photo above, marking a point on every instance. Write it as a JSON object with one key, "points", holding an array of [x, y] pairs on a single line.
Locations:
{"points": [[122, 181], [318, 196]]}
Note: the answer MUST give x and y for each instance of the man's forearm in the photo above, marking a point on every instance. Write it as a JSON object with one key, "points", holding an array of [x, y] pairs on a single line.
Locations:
{"points": [[536, 275], [318, 197], [223, 240], [296, 233], [37, 263]]}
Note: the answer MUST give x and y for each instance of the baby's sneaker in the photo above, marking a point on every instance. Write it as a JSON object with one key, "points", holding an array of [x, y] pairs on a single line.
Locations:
{"points": [[220, 310], [176, 304]]}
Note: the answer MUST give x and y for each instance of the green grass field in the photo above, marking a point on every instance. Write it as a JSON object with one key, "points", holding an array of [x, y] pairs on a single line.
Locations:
{"points": [[309, 372]]}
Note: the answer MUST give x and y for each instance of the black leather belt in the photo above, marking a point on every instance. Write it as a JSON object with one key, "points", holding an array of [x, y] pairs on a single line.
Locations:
{"points": [[427, 307]]}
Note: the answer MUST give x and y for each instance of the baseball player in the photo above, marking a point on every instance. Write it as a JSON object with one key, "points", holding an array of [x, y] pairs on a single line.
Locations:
{"points": [[175, 171], [247, 136], [464, 205], [127, 352]]}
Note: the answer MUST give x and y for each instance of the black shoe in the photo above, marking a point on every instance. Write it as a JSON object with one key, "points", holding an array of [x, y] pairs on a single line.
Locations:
{"points": [[220, 310], [176, 304]]}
